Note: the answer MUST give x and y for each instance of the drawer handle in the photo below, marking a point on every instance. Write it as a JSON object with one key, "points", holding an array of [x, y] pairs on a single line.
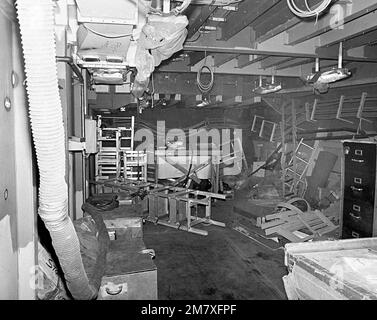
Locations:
{"points": [[353, 188], [355, 234], [359, 161], [356, 208], [358, 180], [355, 216], [114, 292]]}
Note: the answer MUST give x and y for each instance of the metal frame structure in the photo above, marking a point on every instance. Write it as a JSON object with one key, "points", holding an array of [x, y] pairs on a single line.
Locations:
{"points": [[172, 207]]}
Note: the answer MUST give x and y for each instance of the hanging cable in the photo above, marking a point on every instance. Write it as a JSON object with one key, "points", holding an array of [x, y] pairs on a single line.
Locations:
{"points": [[204, 87], [309, 12]]}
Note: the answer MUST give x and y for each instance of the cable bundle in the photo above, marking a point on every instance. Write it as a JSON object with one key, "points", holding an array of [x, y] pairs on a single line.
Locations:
{"points": [[204, 87], [309, 12]]}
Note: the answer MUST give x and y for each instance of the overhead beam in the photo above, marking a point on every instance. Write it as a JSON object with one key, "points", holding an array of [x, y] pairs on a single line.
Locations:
{"points": [[276, 45], [276, 16], [275, 61], [226, 85], [361, 40], [195, 57], [362, 54], [248, 11], [294, 63], [277, 30], [350, 30], [339, 15], [255, 69], [247, 51], [220, 58], [248, 59], [367, 52], [194, 26]]}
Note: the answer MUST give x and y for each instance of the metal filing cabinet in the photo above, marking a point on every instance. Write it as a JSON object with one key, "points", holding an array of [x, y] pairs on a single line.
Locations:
{"points": [[358, 210]]}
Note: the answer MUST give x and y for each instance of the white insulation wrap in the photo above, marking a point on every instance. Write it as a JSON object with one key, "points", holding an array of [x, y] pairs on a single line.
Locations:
{"points": [[36, 19]]}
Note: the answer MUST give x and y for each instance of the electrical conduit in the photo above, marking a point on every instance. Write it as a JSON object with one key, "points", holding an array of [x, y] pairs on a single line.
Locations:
{"points": [[36, 19]]}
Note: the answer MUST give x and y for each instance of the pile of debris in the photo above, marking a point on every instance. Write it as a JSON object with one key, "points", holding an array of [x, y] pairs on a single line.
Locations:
{"points": [[295, 224]]}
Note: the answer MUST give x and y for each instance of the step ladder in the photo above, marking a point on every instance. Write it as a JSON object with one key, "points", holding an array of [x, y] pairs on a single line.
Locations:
{"points": [[295, 171], [296, 156]]}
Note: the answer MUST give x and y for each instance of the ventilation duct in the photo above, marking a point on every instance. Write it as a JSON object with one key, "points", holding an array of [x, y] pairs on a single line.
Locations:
{"points": [[36, 19]]}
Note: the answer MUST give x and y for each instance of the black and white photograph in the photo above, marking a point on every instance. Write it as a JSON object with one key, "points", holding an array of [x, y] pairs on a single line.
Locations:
{"points": [[185, 158]]}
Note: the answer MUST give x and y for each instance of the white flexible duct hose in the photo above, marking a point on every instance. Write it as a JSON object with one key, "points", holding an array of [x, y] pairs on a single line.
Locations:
{"points": [[36, 19]]}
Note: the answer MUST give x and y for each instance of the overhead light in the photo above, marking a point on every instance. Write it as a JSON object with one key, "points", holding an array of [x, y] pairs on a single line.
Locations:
{"points": [[203, 103], [321, 80], [268, 87], [217, 19]]}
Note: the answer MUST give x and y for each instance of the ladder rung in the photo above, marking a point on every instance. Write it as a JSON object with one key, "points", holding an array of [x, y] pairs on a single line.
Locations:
{"points": [[304, 144], [297, 174], [303, 160]]}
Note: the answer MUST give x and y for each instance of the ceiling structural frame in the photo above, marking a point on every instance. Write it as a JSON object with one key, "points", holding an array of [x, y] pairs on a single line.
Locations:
{"points": [[259, 30], [259, 38]]}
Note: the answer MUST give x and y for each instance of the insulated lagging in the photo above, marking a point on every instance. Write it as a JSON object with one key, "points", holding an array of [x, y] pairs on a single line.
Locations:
{"points": [[36, 20]]}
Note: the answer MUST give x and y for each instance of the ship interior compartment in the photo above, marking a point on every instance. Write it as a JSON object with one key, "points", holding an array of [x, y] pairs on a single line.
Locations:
{"points": [[188, 150]]}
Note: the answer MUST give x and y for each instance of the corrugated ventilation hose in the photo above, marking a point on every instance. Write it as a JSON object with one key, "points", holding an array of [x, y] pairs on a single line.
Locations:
{"points": [[36, 19]]}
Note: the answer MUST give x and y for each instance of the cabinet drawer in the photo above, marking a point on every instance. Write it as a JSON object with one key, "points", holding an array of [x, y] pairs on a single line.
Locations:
{"points": [[359, 185], [359, 155], [358, 222], [352, 233], [359, 208], [358, 215]]}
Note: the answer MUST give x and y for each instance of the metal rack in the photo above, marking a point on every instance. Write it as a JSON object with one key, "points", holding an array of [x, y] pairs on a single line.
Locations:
{"points": [[134, 165], [112, 143]]}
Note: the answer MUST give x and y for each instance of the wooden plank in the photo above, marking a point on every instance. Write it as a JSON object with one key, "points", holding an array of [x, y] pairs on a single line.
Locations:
{"points": [[172, 210], [162, 208], [181, 211], [152, 206], [292, 226], [288, 235]]}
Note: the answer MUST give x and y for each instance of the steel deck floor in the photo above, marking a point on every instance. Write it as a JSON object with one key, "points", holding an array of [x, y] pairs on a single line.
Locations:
{"points": [[225, 265]]}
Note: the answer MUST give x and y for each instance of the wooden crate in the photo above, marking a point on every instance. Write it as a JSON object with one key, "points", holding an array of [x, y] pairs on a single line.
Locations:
{"points": [[130, 274], [125, 222], [319, 271]]}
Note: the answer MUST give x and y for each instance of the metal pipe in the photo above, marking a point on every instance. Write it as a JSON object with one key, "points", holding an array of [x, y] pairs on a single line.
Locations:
{"points": [[345, 137], [328, 130], [84, 104], [74, 68]]}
